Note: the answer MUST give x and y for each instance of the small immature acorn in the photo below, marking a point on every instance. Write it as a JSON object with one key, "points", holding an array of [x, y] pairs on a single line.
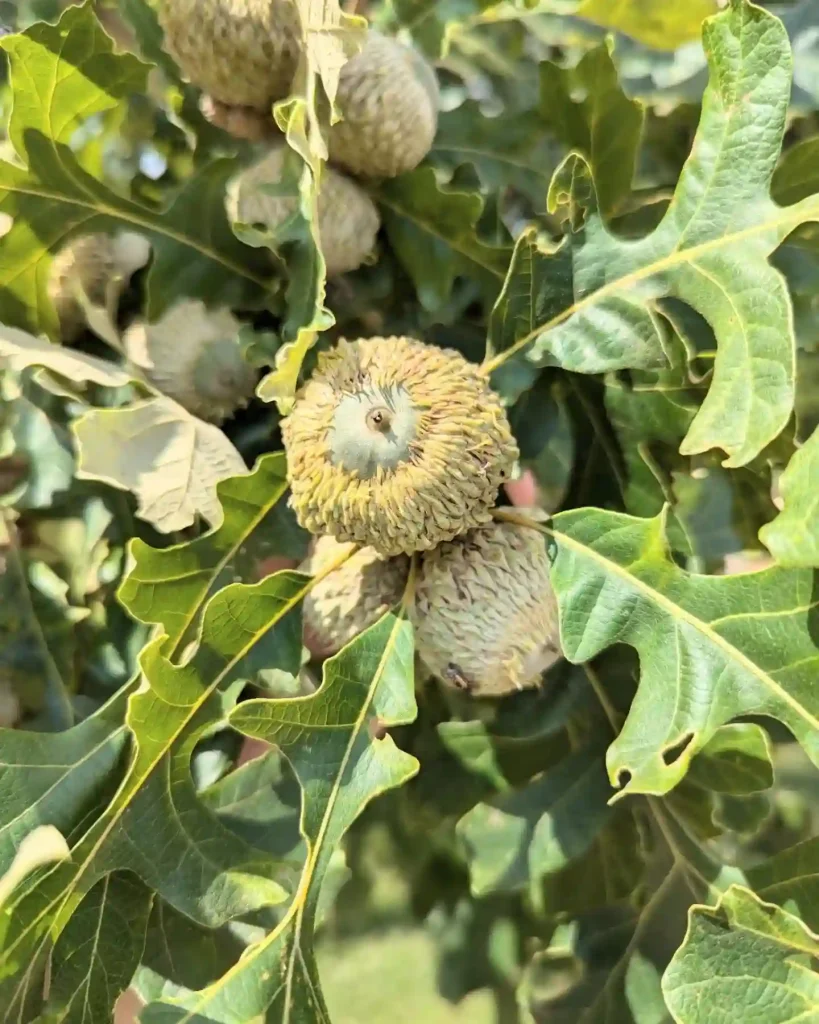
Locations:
{"points": [[99, 265], [396, 444], [485, 614], [243, 53], [192, 354], [348, 220], [351, 598], [388, 98]]}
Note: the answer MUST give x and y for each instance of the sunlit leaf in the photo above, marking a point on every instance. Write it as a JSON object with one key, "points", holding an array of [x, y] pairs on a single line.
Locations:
{"points": [[793, 537], [740, 958], [367, 688], [170, 460], [588, 305]]}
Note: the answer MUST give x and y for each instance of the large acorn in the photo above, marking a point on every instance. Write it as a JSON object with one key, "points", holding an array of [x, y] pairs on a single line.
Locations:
{"points": [[348, 220], [97, 265], [240, 52], [351, 598], [388, 99], [192, 354], [396, 444], [485, 614]]}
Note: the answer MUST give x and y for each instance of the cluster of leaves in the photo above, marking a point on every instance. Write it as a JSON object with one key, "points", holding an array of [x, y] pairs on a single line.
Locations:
{"points": [[623, 229]]}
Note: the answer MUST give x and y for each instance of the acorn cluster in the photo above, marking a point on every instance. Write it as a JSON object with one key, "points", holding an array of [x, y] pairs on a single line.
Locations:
{"points": [[243, 55], [399, 449]]}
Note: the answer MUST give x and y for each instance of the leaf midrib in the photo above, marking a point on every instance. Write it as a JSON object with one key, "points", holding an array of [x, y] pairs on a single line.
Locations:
{"points": [[675, 611], [804, 212]]}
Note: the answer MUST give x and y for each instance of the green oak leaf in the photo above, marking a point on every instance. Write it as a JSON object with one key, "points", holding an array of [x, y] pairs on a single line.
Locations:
{"points": [[793, 537], [522, 835], [338, 745], [711, 648], [170, 586], [588, 304], [98, 952], [155, 825], [605, 125], [653, 22], [169, 459], [740, 959], [433, 232], [53, 198]]}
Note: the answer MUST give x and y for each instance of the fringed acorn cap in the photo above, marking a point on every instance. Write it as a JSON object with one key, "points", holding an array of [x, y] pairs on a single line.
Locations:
{"points": [[348, 220], [192, 354], [388, 99], [99, 266], [485, 614], [240, 52], [396, 444], [350, 599]]}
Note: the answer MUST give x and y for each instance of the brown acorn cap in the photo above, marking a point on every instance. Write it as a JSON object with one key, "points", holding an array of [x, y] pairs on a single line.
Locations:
{"points": [[348, 220], [350, 599], [396, 444], [240, 52], [485, 614]]}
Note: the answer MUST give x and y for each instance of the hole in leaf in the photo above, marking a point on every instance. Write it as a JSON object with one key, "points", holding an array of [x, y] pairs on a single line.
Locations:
{"points": [[623, 778], [675, 752]]}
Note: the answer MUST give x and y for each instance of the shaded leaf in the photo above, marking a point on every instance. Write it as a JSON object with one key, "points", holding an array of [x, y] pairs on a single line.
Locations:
{"points": [[793, 537], [170, 460], [604, 125], [740, 958], [433, 231], [99, 951], [736, 760], [518, 837]]}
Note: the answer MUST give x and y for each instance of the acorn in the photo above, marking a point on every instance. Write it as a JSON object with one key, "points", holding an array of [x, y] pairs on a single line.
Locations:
{"points": [[243, 53], [193, 355], [388, 98], [99, 265], [485, 614], [348, 220], [351, 598], [396, 444]]}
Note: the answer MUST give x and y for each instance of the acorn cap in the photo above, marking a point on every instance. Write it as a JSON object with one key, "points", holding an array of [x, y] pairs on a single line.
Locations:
{"points": [[485, 614], [192, 354], [351, 598], [396, 444], [240, 52], [100, 265], [348, 220], [388, 98]]}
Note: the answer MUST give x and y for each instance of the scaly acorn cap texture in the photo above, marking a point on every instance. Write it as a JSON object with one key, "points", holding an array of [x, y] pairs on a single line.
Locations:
{"points": [[192, 354], [240, 52], [352, 597], [388, 98], [485, 614], [396, 444], [348, 220], [101, 266]]}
